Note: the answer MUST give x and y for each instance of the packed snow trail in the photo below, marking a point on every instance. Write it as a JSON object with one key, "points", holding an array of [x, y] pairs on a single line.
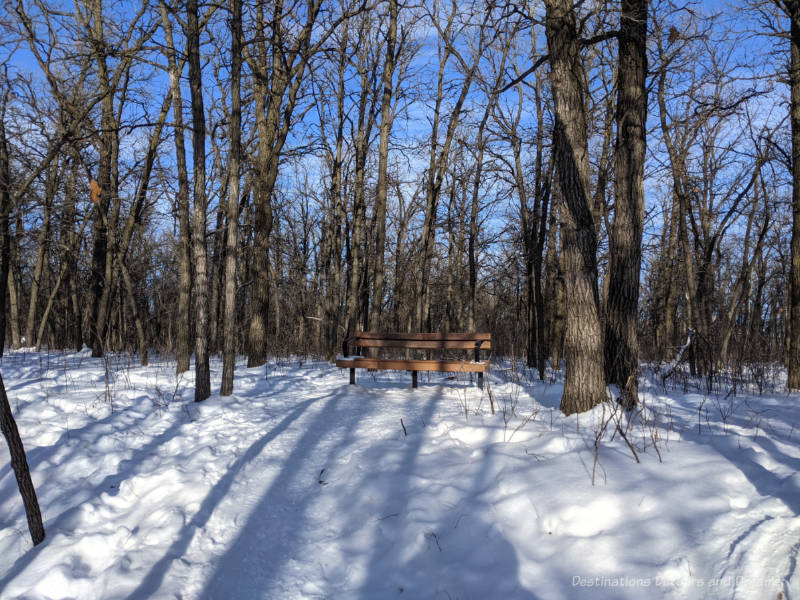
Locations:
{"points": [[302, 486]]}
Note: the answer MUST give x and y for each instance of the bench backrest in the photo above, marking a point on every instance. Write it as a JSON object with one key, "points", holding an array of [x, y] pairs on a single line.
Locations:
{"points": [[423, 341]]}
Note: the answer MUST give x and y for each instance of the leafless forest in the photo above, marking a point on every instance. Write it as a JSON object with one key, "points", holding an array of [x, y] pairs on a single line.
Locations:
{"points": [[593, 183]]}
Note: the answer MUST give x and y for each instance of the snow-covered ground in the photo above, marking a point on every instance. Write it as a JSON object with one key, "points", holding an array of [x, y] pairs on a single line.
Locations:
{"points": [[302, 486]]}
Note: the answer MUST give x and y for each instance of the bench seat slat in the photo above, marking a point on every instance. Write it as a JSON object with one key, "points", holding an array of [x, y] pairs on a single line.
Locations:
{"points": [[377, 335], [419, 344], [454, 366]]}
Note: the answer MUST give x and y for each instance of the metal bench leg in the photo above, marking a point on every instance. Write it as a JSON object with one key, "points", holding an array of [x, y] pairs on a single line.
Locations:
{"points": [[352, 376], [413, 379], [480, 380]]}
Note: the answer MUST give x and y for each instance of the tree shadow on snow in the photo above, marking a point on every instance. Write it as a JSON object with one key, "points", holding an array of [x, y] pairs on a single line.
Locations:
{"points": [[273, 533], [110, 484], [153, 580]]}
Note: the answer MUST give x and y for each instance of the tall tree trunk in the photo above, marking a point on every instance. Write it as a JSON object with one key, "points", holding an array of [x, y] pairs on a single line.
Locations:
{"points": [[259, 305], [20, 466], [70, 257], [278, 63], [625, 241], [232, 239], [202, 386], [104, 190], [358, 253], [333, 272], [216, 266], [383, 165], [792, 8], [584, 384], [5, 210], [183, 326], [473, 233]]}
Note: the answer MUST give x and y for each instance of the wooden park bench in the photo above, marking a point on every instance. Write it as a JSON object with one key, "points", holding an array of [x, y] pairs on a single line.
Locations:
{"points": [[474, 342]]}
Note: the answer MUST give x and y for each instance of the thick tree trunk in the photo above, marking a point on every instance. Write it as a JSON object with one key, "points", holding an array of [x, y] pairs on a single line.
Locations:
{"points": [[584, 384], [259, 305], [202, 386], [20, 466], [232, 239], [793, 358], [270, 144], [625, 241], [278, 63]]}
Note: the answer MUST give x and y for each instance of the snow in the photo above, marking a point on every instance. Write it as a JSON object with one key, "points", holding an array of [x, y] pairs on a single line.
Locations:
{"points": [[302, 486]]}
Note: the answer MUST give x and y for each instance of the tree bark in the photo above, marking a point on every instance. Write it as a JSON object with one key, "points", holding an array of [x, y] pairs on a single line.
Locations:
{"points": [[20, 466], [584, 384], [5, 210], [625, 241], [792, 8], [232, 239], [202, 385], [137, 317]]}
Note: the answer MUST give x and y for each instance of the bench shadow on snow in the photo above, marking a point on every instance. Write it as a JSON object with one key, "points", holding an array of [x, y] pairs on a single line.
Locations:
{"points": [[458, 552]]}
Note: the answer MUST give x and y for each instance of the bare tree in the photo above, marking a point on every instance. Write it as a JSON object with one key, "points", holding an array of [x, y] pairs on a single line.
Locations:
{"points": [[202, 386], [234, 165], [279, 64], [439, 152], [625, 253], [792, 10], [381, 190], [184, 322], [584, 384]]}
